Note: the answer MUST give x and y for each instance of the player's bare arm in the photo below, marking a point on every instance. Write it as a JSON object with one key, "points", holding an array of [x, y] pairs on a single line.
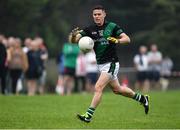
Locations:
{"points": [[122, 39]]}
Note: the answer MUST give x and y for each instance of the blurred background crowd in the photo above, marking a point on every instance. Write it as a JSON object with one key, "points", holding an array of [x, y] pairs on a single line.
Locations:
{"points": [[22, 64], [36, 59], [23, 67]]}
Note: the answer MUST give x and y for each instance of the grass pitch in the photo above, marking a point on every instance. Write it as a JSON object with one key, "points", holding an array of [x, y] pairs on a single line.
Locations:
{"points": [[115, 112]]}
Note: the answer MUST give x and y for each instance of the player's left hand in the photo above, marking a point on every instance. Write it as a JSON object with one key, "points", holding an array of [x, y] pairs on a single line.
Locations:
{"points": [[74, 32], [112, 39]]}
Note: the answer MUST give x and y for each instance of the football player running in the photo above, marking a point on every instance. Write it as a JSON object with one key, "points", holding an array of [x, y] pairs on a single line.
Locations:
{"points": [[106, 36]]}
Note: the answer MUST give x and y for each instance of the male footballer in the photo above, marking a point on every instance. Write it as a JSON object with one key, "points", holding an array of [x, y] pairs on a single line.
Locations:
{"points": [[106, 36]]}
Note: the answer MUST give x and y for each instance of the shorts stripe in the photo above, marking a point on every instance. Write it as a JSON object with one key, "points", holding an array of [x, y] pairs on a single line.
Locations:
{"points": [[112, 68]]}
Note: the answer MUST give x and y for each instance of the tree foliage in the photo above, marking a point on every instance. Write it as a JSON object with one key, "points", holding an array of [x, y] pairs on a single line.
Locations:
{"points": [[146, 21]]}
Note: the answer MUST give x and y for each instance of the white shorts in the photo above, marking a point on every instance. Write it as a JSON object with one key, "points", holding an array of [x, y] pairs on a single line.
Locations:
{"points": [[111, 68]]}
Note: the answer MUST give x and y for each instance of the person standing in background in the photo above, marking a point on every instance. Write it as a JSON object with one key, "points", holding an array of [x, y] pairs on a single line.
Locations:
{"points": [[80, 84], [27, 45], [166, 68], [70, 52], [3, 71], [91, 70], [35, 68], [141, 65], [155, 59], [44, 57], [59, 86], [17, 62]]}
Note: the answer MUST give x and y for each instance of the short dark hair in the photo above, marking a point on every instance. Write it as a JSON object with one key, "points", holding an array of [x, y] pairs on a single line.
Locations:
{"points": [[98, 7]]}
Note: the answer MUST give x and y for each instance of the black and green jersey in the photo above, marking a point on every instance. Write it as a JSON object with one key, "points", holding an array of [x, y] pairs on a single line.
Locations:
{"points": [[104, 50]]}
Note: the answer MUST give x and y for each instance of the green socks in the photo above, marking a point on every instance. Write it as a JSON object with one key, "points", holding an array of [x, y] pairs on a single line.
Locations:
{"points": [[139, 97], [90, 112]]}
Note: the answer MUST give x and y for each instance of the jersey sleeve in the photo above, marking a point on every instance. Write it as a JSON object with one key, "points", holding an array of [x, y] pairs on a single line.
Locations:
{"points": [[84, 32], [117, 31]]}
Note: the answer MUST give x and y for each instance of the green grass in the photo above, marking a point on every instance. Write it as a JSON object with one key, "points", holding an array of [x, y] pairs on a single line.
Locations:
{"points": [[53, 111]]}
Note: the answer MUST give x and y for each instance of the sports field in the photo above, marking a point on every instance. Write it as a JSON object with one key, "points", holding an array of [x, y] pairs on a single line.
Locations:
{"points": [[115, 112]]}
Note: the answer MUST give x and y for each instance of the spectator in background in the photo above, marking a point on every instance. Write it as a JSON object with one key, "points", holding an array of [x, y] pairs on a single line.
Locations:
{"points": [[44, 57], [70, 52], [9, 44], [17, 62], [154, 58], [3, 57], [91, 70], [35, 68], [166, 67], [80, 85], [27, 45], [59, 87], [141, 65], [26, 48]]}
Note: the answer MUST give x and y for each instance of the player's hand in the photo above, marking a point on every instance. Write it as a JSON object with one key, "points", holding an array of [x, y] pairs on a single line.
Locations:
{"points": [[73, 34], [75, 31], [112, 39]]}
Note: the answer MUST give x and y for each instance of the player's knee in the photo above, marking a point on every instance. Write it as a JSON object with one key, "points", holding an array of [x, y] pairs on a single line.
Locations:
{"points": [[98, 88]]}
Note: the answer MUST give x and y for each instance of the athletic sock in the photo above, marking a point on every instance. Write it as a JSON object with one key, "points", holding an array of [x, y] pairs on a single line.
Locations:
{"points": [[90, 112], [139, 97]]}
